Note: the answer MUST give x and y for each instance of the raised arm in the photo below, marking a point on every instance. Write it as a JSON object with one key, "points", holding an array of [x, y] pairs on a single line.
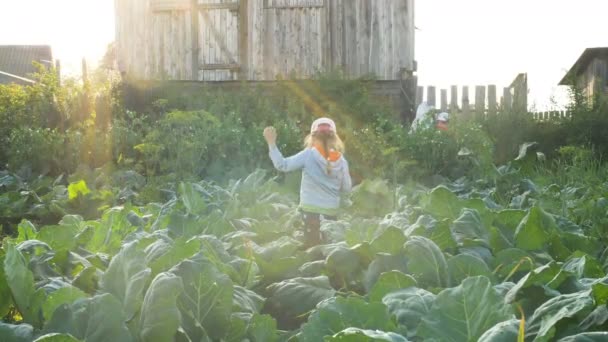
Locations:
{"points": [[281, 163], [295, 162]]}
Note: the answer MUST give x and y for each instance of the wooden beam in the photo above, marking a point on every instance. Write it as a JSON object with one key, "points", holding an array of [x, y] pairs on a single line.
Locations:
{"points": [[465, 102], [492, 106], [194, 33], [170, 5], [480, 101], [431, 94], [507, 99], [233, 6], [444, 100], [454, 98], [280, 4], [220, 67], [419, 95], [243, 39]]}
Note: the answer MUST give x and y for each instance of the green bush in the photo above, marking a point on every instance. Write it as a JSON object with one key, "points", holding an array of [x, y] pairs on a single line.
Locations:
{"points": [[40, 150]]}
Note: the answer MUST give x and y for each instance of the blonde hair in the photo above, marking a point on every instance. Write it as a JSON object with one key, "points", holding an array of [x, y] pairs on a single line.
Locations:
{"points": [[334, 142]]}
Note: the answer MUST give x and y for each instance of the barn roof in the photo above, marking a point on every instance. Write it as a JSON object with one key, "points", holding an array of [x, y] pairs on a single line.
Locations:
{"points": [[16, 61], [582, 62]]}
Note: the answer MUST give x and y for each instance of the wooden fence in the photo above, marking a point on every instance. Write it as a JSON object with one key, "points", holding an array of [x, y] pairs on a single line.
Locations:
{"points": [[551, 115], [486, 102]]}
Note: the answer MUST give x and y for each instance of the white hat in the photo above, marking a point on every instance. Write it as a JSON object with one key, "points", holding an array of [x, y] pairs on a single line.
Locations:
{"points": [[321, 121], [443, 116]]}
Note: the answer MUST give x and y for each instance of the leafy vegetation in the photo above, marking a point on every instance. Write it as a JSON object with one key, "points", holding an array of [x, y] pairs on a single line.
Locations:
{"points": [[452, 263], [145, 224]]}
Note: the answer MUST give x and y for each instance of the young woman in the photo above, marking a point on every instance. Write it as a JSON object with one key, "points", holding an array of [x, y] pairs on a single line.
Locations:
{"points": [[325, 174]]}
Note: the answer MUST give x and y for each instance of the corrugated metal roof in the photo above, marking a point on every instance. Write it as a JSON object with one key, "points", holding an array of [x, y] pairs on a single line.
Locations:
{"points": [[582, 62], [17, 60]]}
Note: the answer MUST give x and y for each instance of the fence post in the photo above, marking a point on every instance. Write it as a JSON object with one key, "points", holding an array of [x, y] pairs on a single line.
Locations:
{"points": [[507, 99], [480, 101], [419, 96], [444, 100], [431, 94], [454, 99], [520, 92], [465, 102], [492, 107]]}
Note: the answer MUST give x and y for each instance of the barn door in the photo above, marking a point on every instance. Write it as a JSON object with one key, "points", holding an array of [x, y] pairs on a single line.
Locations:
{"points": [[296, 38], [170, 54], [219, 38]]}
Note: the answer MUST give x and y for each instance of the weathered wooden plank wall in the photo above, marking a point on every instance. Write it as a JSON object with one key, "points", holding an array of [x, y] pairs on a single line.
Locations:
{"points": [[218, 40], [377, 37], [206, 40]]}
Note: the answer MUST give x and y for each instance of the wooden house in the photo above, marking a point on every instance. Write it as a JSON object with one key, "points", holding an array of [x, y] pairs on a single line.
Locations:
{"points": [[262, 40], [590, 72], [17, 62]]}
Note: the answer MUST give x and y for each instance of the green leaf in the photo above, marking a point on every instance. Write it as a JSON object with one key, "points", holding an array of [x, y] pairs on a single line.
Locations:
{"points": [[390, 241], [77, 188], [65, 295], [465, 312], [600, 293], [110, 231], [535, 230], [507, 259], [345, 264], [178, 251], [16, 333], [160, 317], [389, 282], [21, 282], [426, 262], [297, 296], [542, 324], [191, 197], [506, 331], [383, 263], [408, 306], [238, 327], [468, 230], [441, 234], [206, 302], [6, 299], [27, 231], [583, 266], [549, 275], [60, 237], [262, 328], [360, 335], [463, 266], [126, 278], [55, 337], [96, 319], [599, 336], [247, 301], [337, 314], [598, 317], [443, 203], [87, 279]]}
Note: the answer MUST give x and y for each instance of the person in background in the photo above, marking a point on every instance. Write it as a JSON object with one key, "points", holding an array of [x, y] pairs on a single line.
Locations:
{"points": [[325, 174], [442, 121]]}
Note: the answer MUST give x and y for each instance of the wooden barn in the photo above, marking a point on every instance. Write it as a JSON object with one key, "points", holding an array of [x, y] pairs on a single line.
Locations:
{"points": [[590, 72], [264, 40]]}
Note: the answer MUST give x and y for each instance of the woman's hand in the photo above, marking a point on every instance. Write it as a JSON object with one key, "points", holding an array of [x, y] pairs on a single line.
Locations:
{"points": [[270, 134]]}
